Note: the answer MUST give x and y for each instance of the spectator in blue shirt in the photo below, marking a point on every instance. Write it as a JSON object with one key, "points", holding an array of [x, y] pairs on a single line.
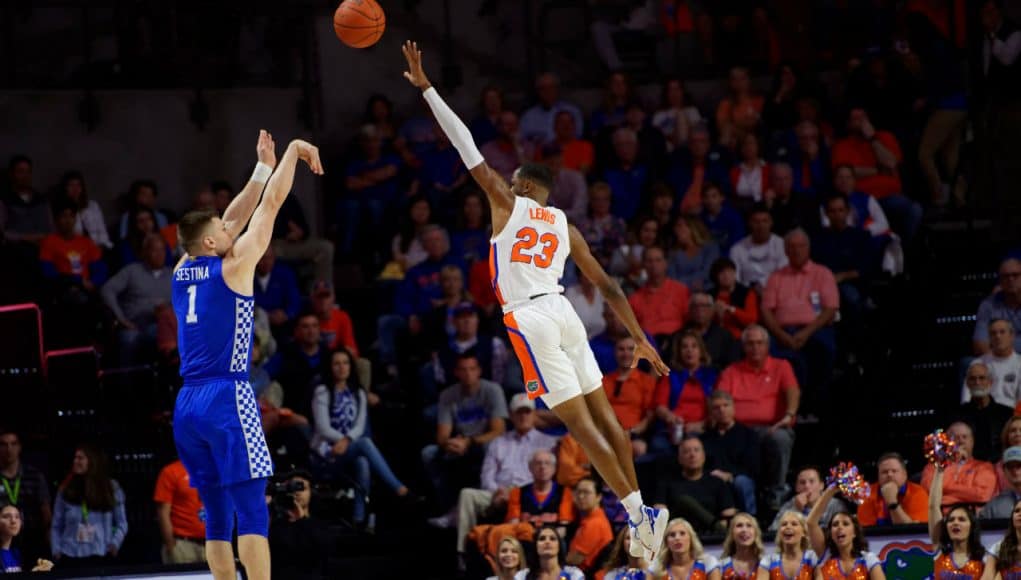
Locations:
{"points": [[1005, 304], [419, 292], [849, 253], [483, 127], [724, 223], [371, 182], [691, 167], [537, 121], [277, 292], [628, 177], [89, 520], [810, 161], [441, 173]]}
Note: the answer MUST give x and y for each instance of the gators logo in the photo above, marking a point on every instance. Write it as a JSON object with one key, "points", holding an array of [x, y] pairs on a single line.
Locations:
{"points": [[532, 386]]}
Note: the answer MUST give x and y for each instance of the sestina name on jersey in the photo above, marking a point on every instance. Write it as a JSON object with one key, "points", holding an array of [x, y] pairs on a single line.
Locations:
{"points": [[191, 274], [542, 214]]}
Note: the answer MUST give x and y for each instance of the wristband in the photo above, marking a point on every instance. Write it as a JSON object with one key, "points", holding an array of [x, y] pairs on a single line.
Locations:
{"points": [[893, 506], [261, 173]]}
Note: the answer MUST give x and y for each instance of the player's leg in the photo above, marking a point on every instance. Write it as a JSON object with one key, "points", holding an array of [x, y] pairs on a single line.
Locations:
{"points": [[575, 414], [249, 499], [219, 531], [606, 422]]}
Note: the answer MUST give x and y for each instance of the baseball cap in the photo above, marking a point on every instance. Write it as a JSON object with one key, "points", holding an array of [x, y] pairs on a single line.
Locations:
{"points": [[521, 401], [464, 308], [1012, 454]]}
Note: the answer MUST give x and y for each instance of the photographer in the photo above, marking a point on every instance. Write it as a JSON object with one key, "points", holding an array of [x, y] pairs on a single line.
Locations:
{"points": [[300, 543]]}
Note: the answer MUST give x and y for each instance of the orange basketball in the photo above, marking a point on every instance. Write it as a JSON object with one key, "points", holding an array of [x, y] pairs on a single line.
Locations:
{"points": [[359, 23]]}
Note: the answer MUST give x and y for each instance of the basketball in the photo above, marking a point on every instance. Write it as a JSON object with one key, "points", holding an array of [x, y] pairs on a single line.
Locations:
{"points": [[359, 23]]}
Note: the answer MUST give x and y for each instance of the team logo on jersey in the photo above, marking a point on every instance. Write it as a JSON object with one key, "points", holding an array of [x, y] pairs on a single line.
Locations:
{"points": [[532, 386]]}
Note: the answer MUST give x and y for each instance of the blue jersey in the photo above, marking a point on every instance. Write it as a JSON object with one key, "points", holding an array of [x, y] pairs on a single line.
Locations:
{"points": [[214, 323]]}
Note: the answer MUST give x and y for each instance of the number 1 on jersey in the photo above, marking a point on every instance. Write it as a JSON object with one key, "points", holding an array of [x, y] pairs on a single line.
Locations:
{"points": [[191, 318], [527, 239]]}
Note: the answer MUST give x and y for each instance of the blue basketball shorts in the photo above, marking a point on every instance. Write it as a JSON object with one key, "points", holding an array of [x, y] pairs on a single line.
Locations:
{"points": [[218, 433]]}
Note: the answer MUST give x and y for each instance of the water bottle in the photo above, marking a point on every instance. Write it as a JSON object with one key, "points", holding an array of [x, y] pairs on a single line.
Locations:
{"points": [[677, 432]]}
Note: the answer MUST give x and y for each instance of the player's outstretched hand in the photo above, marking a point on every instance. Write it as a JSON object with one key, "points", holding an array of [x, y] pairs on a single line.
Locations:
{"points": [[644, 350], [265, 149], [414, 74], [308, 153]]}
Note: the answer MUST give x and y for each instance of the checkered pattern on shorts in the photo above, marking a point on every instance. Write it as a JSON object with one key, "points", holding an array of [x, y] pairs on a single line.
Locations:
{"points": [[244, 315], [259, 462]]}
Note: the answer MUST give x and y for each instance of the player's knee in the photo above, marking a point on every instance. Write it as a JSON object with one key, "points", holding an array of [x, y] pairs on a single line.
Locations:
{"points": [[250, 504]]}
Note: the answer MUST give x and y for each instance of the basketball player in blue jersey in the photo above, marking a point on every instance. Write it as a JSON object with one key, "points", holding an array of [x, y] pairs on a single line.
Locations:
{"points": [[217, 427], [529, 246]]}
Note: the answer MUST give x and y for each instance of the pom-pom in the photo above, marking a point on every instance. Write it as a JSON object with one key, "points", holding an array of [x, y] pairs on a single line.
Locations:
{"points": [[940, 449], [851, 484]]}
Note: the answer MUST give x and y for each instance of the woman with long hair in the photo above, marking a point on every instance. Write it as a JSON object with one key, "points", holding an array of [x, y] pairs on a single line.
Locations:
{"points": [[693, 253], [1004, 558], [548, 558], [379, 112], [89, 520], [510, 559], [844, 545], [957, 536], [1010, 436], [683, 557], [469, 241], [793, 559], [750, 177], [740, 111], [736, 305], [141, 222], [90, 221], [676, 116], [341, 441], [620, 562], [681, 397], [483, 127], [742, 549], [406, 247]]}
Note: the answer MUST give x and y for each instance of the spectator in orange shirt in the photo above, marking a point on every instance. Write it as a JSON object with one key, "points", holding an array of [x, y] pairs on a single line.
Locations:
{"points": [[594, 532], [661, 305], [969, 480], [179, 513], [70, 258], [766, 398], [630, 391], [893, 499], [572, 463], [739, 113], [334, 323], [875, 155], [543, 501], [577, 154], [799, 304]]}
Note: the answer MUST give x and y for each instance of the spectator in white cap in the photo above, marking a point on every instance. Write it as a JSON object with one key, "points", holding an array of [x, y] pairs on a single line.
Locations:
{"points": [[504, 467], [1002, 506]]}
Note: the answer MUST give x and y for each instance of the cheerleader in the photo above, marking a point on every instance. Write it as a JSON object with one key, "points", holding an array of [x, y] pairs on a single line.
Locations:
{"points": [[957, 537], [510, 559], [1003, 562], [742, 549], [683, 558], [793, 559], [844, 545], [548, 556]]}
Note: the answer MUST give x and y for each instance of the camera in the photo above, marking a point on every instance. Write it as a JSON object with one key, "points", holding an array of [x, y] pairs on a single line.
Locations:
{"points": [[282, 494]]}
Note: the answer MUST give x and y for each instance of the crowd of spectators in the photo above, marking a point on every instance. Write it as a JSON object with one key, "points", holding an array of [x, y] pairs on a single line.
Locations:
{"points": [[749, 235]]}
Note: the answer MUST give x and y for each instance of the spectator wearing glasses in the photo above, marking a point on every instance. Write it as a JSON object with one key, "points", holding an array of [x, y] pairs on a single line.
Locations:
{"points": [[1004, 304], [1003, 363], [1002, 506], [983, 413]]}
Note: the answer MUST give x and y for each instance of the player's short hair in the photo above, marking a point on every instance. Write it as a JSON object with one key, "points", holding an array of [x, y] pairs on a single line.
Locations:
{"points": [[538, 174], [193, 225]]}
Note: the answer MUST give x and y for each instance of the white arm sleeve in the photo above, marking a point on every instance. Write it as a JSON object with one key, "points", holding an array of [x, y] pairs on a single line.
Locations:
{"points": [[456, 130]]}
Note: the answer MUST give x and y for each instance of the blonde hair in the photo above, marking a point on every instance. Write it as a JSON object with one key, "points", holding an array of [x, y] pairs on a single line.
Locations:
{"points": [[700, 235], [730, 546], [695, 547], [1005, 433], [517, 548], [803, 522]]}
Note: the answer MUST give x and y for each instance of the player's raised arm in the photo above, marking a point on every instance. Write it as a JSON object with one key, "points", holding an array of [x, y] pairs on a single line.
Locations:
{"points": [[252, 245], [615, 297], [237, 214], [500, 197]]}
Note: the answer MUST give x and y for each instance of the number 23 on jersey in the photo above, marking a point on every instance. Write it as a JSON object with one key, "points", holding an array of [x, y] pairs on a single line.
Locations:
{"points": [[524, 249]]}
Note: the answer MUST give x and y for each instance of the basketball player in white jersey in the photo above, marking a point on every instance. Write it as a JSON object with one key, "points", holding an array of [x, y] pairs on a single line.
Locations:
{"points": [[529, 246]]}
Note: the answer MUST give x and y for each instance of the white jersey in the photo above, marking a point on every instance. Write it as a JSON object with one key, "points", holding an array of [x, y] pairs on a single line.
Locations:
{"points": [[527, 257]]}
